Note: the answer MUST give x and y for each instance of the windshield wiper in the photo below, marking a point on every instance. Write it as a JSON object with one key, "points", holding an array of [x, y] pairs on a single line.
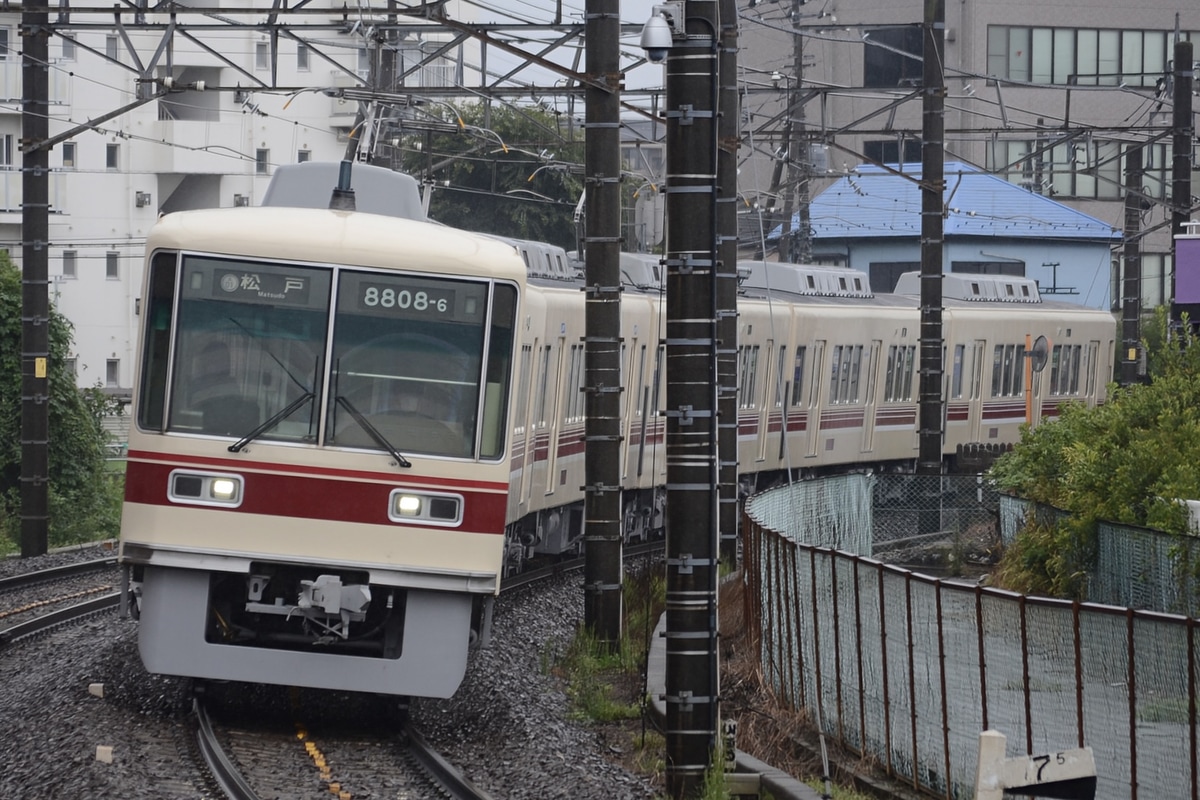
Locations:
{"points": [[371, 431], [271, 423]]}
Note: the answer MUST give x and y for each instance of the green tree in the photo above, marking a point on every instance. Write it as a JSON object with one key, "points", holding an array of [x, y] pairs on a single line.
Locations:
{"points": [[84, 498], [1132, 460], [510, 172]]}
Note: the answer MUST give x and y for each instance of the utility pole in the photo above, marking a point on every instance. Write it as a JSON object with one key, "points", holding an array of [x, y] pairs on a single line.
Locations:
{"points": [[1131, 283], [799, 242], [933, 183], [602, 341], [35, 283], [692, 674]]}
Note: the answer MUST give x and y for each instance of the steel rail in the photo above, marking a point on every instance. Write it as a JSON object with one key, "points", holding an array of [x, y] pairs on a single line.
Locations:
{"points": [[55, 573], [22, 630]]}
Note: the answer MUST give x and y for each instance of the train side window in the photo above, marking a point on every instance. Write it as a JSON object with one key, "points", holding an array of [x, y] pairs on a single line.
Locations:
{"points": [[997, 370], [855, 369], [977, 369], [835, 371], [798, 375], [1092, 367], [956, 380], [781, 378], [523, 389], [157, 341], [499, 372], [749, 372], [539, 412]]}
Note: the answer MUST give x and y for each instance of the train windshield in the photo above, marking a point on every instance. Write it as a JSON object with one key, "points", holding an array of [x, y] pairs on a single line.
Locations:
{"points": [[346, 358]]}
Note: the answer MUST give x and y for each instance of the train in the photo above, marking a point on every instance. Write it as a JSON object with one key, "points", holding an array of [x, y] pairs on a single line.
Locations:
{"points": [[350, 425]]}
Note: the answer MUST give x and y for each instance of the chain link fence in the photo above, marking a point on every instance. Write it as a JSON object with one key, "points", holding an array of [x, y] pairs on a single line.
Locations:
{"points": [[908, 669]]}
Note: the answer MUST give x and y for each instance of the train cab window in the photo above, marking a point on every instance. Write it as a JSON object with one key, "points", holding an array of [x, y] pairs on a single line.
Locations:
{"points": [[248, 350], [407, 364]]}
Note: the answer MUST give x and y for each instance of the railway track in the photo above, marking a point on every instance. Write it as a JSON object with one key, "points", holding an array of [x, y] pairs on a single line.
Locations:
{"points": [[34, 602], [253, 761], [45, 593]]}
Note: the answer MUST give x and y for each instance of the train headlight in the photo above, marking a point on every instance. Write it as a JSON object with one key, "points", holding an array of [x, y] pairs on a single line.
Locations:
{"points": [[406, 505], [205, 488]]}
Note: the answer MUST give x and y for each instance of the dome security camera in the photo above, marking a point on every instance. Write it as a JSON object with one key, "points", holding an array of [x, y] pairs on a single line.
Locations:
{"points": [[657, 37]]}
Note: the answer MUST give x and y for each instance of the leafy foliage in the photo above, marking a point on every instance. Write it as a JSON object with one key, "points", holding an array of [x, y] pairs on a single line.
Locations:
{"points": [[1131, 461], [84, 498], [510, 172]]}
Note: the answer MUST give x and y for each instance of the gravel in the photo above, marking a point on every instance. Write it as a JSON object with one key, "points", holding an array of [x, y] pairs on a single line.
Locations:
{"points": [[507, 728]]}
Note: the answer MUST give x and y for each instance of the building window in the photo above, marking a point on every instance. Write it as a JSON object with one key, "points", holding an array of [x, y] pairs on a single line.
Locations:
{"points": [[112, 265], [262, 159], [68, 155], [1091, 169], [112, 156], [902, 150], [5, 38], [262, 55], [896, 61], [303, 155], [72, 365], [70, 260], [364, 62], [6, 151], [302, 57], [68, 49], [1078, 56], [112, 372], [111, 48]]}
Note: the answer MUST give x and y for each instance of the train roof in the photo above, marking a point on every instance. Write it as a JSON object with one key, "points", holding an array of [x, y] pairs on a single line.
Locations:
{"points": [[336, 237]]}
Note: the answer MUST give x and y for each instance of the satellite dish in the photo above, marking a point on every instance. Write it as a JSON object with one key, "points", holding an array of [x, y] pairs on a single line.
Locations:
{"points": [[1040, 353]]}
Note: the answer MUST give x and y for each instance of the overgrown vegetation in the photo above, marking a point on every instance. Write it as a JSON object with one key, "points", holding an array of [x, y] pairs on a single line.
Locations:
{"points": [[1131, 461], [84, 496], [502, 170]]}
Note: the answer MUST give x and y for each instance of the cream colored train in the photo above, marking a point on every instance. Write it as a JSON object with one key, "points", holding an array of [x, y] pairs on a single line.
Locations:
{"points": [[349, 426], [827, 380]]}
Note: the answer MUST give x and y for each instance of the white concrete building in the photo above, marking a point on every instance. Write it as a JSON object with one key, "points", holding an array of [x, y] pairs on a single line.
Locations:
{"points": [[195, 148]]}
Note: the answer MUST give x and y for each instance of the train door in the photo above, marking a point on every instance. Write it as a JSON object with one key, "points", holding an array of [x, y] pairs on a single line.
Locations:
{"points": [[814, 397], [872, 368], [976, 414], [764, 410], [554, 426]]}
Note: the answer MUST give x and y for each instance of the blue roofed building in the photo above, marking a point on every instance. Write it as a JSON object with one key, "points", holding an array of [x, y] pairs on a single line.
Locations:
{"points": [[871, 220]]}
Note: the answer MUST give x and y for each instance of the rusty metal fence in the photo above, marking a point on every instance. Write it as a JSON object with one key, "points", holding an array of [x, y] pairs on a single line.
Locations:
{"points": [[908, 669]]}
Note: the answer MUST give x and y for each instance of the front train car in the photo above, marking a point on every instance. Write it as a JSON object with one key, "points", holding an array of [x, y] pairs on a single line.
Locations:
{"points": [[318, 466]]}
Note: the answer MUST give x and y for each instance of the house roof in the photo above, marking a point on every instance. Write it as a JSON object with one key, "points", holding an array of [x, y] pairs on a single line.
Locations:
{"points": [[874, 201]]}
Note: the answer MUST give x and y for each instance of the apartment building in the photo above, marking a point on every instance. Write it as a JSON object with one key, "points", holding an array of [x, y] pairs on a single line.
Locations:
{"points": [[214, 140]]}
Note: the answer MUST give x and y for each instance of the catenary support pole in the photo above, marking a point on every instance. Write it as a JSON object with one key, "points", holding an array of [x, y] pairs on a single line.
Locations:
{"points": [[602, 325], [933, 185], [692, 685], [1131, 262], [728, 125], [35, 283], [1184, 76]]}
